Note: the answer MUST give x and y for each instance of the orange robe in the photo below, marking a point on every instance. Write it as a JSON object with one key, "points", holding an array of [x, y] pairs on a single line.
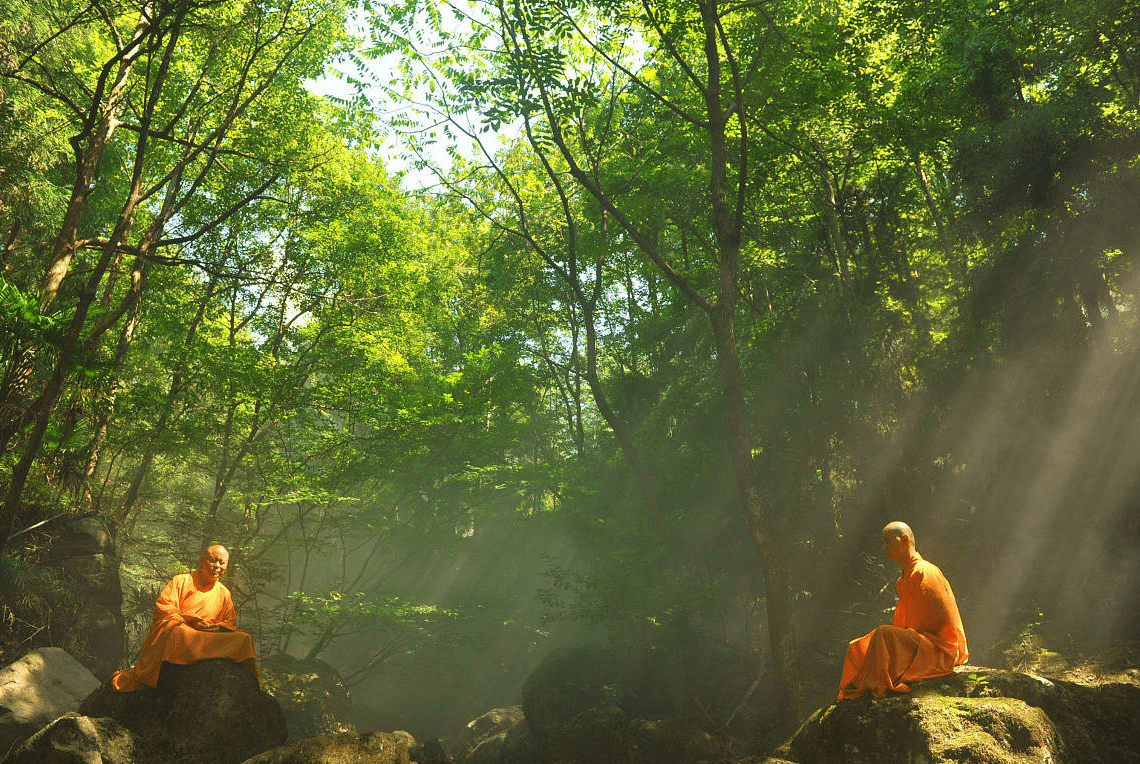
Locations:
{"points": [[925, 641], [172, 639]]}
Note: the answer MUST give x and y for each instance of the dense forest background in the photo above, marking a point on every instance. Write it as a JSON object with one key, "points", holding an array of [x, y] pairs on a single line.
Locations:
{"points": [[676, 304]]}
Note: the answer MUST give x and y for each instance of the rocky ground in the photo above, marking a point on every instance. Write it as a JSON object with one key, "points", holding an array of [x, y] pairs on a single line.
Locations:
{"points": [[580, 707]]}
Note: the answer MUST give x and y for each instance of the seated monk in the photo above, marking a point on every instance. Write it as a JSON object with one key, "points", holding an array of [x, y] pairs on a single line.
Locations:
{"points": [[926, 640], [194, 619]]}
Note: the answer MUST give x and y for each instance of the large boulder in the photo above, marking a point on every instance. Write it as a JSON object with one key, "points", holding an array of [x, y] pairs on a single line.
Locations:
{"points": [[607, 733], [211, 711], [978, 716], [571, 681], [43, 685], [84, 536], [430, 752], [933, 729], [596, 705], [75, 739], [500, 736], [314, 699], [344, 748]]}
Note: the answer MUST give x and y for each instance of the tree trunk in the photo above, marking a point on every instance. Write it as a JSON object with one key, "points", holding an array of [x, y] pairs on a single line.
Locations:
{"points": [[105, 119], [126, 335], [931, 204], [621, 429], [10, 247], [727, 223], [45, 403], [777, 585]]}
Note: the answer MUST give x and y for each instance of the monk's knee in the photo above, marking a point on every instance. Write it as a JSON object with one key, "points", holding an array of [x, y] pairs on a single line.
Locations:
{"points": [[890, 632]]}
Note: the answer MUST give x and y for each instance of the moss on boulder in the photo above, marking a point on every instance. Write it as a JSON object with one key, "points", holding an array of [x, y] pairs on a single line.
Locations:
{"points": [[977, 716]]}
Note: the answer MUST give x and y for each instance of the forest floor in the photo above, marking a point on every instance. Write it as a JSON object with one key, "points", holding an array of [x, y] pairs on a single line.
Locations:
{"points": [[1082, 663]]}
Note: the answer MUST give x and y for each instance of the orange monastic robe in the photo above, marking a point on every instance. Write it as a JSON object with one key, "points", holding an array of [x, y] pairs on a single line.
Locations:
{"points": [[172, 639], [926, 640]]}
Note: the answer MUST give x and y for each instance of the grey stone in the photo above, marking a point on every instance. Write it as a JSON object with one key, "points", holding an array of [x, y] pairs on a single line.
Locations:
{"points": [[75, 739], [500, 736], [43, 685], [84, 536]]}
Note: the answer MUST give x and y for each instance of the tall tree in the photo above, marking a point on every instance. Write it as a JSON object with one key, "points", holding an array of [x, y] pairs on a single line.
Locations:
{"points": [[188, 122], [700, 72]]}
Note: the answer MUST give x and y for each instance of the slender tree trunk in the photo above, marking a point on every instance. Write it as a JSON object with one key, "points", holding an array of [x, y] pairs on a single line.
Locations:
{"points": [[835, 226], [105, 118], [587, 300], [621, 429], [177, 380], [579, 427], [10, 246], [45, 403], [727, 220], [573, 392], [126, 335], [931, 204]]}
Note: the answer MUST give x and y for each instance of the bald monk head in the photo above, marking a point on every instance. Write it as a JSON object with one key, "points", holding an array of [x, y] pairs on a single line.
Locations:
{"points": [[898, 542], [213, 562]]}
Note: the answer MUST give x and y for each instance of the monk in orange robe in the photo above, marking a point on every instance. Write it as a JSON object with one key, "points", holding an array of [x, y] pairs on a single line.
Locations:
{"points": [[926, 639], [194, 619]]}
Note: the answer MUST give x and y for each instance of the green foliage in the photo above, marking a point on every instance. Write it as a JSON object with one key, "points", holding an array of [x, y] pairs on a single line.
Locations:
{"points": [[975, 682], [21, 320], [356, 611], [32, 598]]}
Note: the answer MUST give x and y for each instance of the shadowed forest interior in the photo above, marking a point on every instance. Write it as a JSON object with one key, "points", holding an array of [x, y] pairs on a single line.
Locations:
{"points": [[475, 331]]}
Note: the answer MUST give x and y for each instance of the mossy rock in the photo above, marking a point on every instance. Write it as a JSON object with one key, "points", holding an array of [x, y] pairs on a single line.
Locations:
{"points": [[978, 716], [344, 748], [990, 730], [933, 729], [313, 697]]}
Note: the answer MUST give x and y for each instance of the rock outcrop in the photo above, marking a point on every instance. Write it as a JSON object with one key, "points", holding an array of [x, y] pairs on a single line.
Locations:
{"points": [[430, 752], [90, 624], [595, 706], [344, 748], [75, 739], [500, 736], [212, 711], [977, 716], [314, 699], [42, 686], [579, 708]]}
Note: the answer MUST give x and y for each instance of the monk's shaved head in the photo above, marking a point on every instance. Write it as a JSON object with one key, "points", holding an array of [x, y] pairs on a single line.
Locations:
{"points": [[213, 562], [898, 541], [216, 549], [897, 528]]}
